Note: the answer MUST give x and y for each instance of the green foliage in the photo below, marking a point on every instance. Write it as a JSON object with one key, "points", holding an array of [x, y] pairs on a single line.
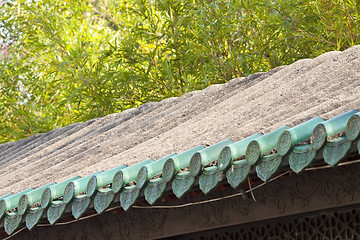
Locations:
{"points": [[69, 61]]}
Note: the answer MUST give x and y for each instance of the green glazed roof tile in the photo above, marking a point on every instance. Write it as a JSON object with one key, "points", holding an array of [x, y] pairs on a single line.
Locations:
{"points": [[329, 128], [12, 222], [209, 179], [353, 127], [103, 199], [79, 206], [268, 166], [234, 150], [262, 145], [182, 183], [127, 175], [336, 150], [55, 211], [206, 156], [151, 170], [297, 134], [30, 198], [11, 202], [238, 172], [76, 187], [129, 196], [178, 162], [301, 157], [99, 180], [5, 196], [33, 217], [55, 191], [154, 190]]}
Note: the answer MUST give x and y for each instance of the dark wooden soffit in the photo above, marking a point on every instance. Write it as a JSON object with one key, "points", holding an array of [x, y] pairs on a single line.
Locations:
{"points": [[288, 195]]}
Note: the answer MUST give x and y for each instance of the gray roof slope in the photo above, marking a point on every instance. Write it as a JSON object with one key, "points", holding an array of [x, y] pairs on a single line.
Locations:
{"points": [[325, 86]]}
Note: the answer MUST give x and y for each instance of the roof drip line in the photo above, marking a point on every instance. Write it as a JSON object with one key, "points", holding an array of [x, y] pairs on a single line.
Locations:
{"points": [[216, 199], [247, 191]]}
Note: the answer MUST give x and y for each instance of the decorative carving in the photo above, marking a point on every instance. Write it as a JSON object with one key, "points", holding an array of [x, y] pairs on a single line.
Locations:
{"points": [[330, 187], [349, 184], [216, 213], [136, 224], [241, 205], [213, 213], [329, 225], [147, 226]]}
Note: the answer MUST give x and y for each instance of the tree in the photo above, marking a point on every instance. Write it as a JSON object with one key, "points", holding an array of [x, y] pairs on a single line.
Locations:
{"points": [[70, 61]]}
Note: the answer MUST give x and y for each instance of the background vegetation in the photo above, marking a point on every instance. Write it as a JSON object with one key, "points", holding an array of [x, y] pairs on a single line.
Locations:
{"points": [[69, 61]]}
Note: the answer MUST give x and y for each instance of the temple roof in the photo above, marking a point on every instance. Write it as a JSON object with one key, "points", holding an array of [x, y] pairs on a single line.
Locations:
{"points": [[293, 117]]}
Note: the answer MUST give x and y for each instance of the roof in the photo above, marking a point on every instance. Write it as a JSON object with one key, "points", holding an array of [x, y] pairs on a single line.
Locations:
{"points": [[194, 126]]}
